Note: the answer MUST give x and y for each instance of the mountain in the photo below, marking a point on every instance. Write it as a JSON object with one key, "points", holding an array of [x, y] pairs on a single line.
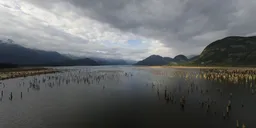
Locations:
{"points": [[168, 59], [231, 51], [17, 54], [130, 62], [180, 58], [11, 53], [155, 60], [194, 58], [76, 62], [117, 62], [73, 57], [191, 56], [110, 61], [104, 61]]}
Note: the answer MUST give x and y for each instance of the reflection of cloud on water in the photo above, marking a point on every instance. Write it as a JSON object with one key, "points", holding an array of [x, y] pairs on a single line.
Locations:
{"points": [[132, 87]]}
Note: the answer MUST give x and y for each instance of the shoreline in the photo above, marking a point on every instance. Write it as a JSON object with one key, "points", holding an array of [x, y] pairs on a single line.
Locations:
{"points": [[201, 67], [212, 67], [11, 73], [24, 72]]}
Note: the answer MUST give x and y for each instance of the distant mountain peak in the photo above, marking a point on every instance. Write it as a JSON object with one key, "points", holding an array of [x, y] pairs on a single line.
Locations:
{"points": [[180, 58], [7, 41], [153, 56], [180, 55], [155, 60]]}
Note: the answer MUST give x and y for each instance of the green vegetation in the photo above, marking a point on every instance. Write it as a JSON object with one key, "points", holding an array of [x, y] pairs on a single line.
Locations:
{"points": [[156, 60], [228, 52], [24, 72]]}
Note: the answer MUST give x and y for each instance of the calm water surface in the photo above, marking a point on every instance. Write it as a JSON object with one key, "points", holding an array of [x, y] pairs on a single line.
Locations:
{"points": [[118, 96]]}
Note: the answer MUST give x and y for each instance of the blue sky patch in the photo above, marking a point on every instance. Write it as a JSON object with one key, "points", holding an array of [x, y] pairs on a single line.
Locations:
{"points": [[134, 42]]}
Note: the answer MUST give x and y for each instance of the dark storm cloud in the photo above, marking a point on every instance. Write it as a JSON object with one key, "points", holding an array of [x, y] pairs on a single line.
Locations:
{"points": [[187, 19], [194, 17], [186, 26]]}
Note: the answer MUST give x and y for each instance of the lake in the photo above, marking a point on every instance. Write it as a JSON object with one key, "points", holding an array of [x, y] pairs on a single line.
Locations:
{"points": [[124, 96]]}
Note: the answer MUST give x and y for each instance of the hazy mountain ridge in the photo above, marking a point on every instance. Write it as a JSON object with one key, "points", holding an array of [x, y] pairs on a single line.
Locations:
{"points": [[17, 54], [110, 61], [234, 50], [12, 53], [77, 62]]}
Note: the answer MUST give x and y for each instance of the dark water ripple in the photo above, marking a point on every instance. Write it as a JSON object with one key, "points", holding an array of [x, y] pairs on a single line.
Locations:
{"points": [[122, 100]]}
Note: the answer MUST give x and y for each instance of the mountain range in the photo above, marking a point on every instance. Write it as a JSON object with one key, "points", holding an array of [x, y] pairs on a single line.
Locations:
{"points": [[157, 60], [15, 54], [229, 51]]}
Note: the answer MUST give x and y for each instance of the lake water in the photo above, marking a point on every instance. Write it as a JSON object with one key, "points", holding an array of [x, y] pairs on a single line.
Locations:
{"points": [[122, 96]]}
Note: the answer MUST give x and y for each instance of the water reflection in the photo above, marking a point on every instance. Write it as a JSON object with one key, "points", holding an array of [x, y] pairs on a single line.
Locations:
{"points": [[114, 96]]}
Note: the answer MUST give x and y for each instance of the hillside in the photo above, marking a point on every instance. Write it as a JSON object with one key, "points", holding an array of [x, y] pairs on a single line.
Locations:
{"points": [[194, 58], [231, 51], [11, 53], [156, 60], [17, 54], [180, 58], [153, 60]]}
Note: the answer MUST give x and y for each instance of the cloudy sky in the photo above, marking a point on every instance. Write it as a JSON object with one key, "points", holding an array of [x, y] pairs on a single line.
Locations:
{"points": [[128, 29]]}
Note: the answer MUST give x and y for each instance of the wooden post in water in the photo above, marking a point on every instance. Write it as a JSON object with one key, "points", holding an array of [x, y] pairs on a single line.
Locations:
{"points": [[237, 124], [10, 98]]}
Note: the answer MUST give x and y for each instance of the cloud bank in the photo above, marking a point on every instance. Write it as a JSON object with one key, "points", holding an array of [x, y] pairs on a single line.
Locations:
{"points": [[128, 29]]}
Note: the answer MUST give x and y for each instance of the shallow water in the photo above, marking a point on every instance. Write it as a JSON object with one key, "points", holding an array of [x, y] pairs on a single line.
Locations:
{"points": [[121, 100]]}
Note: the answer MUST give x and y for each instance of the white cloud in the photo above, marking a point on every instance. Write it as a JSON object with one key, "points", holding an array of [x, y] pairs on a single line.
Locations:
{"points": [[64, 30], [103, 27]]}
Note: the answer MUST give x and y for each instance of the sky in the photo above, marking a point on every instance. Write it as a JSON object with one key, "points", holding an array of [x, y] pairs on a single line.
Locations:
{"points": [[126, 29]]}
